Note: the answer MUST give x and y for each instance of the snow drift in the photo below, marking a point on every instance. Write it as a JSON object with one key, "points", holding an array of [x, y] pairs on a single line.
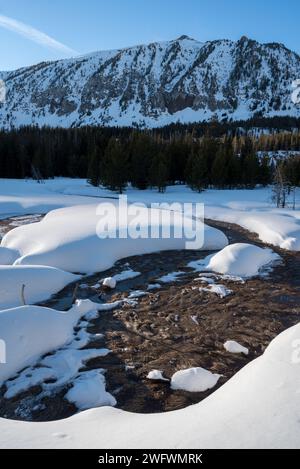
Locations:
{"points": [[40, 283], [69, 239]]}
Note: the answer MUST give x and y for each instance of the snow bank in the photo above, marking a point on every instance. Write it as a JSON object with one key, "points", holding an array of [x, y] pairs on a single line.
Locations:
{"points": [[67, 239], [257, 408], [234, 347], [32, 331], [40, 283], [240, 260], [7, 256], [194, 380], [251, 209]]}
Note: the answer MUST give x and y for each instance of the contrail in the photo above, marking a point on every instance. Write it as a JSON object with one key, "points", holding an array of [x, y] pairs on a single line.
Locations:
{"points": [[34, 35]]}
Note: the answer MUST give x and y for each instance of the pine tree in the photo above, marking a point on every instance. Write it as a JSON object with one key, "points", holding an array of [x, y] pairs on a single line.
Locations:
{"points": [[141, 156], [196, 171], [219, 174], [177, 153], [114, 167], [250, 164], [93, 174], [159, 172]]}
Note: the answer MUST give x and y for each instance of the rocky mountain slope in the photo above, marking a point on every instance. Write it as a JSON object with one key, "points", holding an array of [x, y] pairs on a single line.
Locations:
{"points": [[156, 84]]}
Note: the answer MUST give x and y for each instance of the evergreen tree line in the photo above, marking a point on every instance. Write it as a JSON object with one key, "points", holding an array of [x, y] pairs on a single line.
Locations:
{"points": [[114, 157], [201, 164]]}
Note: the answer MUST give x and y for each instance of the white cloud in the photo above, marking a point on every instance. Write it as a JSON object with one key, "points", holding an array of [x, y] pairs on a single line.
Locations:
{"points": [[34, 35]]}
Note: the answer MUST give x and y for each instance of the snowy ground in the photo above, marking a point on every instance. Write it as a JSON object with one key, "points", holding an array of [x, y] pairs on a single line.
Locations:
{"points": [[257, 408]]}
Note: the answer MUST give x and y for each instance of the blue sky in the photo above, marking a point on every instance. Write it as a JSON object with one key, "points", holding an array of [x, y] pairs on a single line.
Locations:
{"points": [[87, 25]]}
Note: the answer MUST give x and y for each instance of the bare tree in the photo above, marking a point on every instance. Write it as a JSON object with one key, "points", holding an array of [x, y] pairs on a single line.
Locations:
{"points": [[282, 188]]}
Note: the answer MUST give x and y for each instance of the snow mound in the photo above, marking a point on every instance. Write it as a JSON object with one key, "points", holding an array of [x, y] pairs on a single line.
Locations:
{"points": [[71, 239], [110, 282], [89, 391], [239, 260], [194, 380], [32, 331], [234, 347], [156, 375], [40, 283]]}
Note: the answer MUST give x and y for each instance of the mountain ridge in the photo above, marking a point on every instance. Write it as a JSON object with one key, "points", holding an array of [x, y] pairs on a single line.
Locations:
{"points": [[152, 85]]}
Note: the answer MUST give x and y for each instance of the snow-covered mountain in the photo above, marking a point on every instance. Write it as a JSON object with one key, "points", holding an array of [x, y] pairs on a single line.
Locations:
{"points": [[153, 85]]}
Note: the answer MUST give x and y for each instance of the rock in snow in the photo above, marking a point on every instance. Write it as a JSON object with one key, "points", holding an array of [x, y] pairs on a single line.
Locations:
{"points": [[194, 380], [234, 347]]}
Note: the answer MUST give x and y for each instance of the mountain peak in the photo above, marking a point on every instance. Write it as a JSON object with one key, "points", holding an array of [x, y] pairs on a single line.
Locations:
{"points": [[185, 37]]}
